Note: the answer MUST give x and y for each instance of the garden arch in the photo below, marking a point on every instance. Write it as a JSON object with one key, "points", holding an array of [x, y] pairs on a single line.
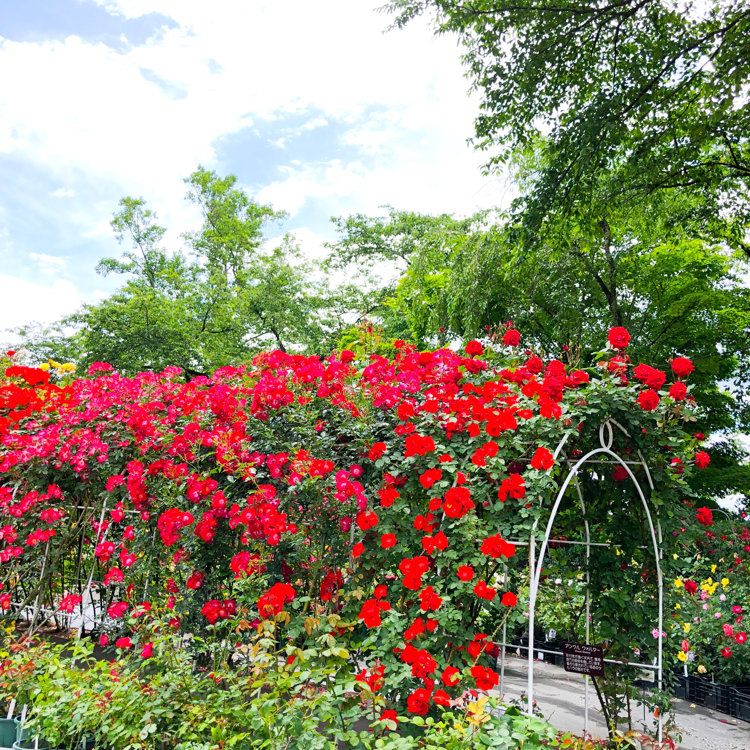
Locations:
{"points": [[536, 561]]}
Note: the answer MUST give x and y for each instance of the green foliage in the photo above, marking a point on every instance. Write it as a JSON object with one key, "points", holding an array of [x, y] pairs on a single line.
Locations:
{"points": [[222, 299], [621, 102]]}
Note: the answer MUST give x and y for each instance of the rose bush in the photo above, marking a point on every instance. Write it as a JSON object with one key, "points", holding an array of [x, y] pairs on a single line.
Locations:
{"points": [[359, 512]]}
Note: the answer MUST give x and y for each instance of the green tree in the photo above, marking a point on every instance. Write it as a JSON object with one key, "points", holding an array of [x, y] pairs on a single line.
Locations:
{"points": [[220, 299], [621, 101], [677, 295]]}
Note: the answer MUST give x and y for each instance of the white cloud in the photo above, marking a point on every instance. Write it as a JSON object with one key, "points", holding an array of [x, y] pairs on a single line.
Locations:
{"points": [[48, 264], [64, 193], [25, 301], [94, 115]]}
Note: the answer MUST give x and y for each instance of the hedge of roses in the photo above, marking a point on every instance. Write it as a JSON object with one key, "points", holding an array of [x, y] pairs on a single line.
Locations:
{"points": [[363, 508]]}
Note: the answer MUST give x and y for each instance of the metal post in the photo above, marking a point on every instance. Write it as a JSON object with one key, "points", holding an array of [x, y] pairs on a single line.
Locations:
{"points": [[533, 583], [87, 590], [505, 640]]}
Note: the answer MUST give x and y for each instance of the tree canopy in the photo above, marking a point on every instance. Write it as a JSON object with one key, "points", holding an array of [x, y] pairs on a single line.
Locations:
{"points": [[620, 101]]}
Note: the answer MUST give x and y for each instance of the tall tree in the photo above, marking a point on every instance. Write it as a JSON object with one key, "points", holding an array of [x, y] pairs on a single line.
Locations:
{"points": [[623, 100], [223, 297]]}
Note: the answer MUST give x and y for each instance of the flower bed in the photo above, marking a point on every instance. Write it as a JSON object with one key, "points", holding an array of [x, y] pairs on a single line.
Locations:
{"points": [[354, 516]]}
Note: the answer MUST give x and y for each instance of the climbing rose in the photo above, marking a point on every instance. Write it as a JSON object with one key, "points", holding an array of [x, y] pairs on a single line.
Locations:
{"points": [[496, 546], [648, 400], [513, 486], [691, 587], [486, 678], [650, 376], [509, 599], [387, 541], [512, 337], [418, 702], [377, 450], [483, 591], [465, 572], [678, 391], [682, 367], [702, 459], [474, 349], [542, 460], [450, 676], [705, 517], [618, 337]]}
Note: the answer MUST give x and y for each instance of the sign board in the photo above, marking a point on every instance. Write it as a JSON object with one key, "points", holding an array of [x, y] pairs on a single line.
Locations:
{"points": [[583, 659]]}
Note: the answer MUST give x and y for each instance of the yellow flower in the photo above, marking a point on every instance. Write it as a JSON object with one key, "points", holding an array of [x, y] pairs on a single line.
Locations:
{"points": [[677, 606], [44, 367], [724, 582], [54, 364], [713, 568], [682, 656], [701, 669], [686, 627], [674, 556], [677, 583], [67, 367]]}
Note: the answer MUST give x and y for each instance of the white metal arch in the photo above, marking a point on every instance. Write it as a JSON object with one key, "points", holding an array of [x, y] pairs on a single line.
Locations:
{"points": [[606, 438]]}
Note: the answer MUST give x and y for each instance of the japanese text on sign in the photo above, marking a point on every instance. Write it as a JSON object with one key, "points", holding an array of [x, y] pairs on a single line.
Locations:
{"points": [[583, 659]]}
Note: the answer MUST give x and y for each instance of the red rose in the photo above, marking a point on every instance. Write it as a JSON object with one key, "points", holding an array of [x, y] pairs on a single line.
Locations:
{"points": [[678, 391], [682, 367], [691, 586], [512, 337], [542, 460], [465, 573], [418, 702], [377, 450], [486, 678], [618, 337], [648, 400], [702, 459], [495, 546], [705, 517], [474, 349], [483, 591], [387, 541], [650, 376], [450, 676], [509, 599]]}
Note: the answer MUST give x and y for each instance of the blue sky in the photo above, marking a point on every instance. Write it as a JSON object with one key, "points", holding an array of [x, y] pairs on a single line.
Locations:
{"points": [[314, 108]]}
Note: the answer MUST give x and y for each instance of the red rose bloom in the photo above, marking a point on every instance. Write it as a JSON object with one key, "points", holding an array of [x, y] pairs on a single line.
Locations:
{"points": [[450, 676], [495, 546], [483, 591], [618, 337], [512, 337], [509, 599], [457, 502], [465, 572], [702, 459], [513, 486], [377, 450], [387, 541], [486, 678], [691, 587], [542, 460], [418, 702], [678, 391], [650, 376], [474, 349], [705, 517], [682, 367], [648, 400]]}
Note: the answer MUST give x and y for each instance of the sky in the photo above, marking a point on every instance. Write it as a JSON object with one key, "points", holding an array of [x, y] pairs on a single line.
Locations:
{"points": [[314, 106]]}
